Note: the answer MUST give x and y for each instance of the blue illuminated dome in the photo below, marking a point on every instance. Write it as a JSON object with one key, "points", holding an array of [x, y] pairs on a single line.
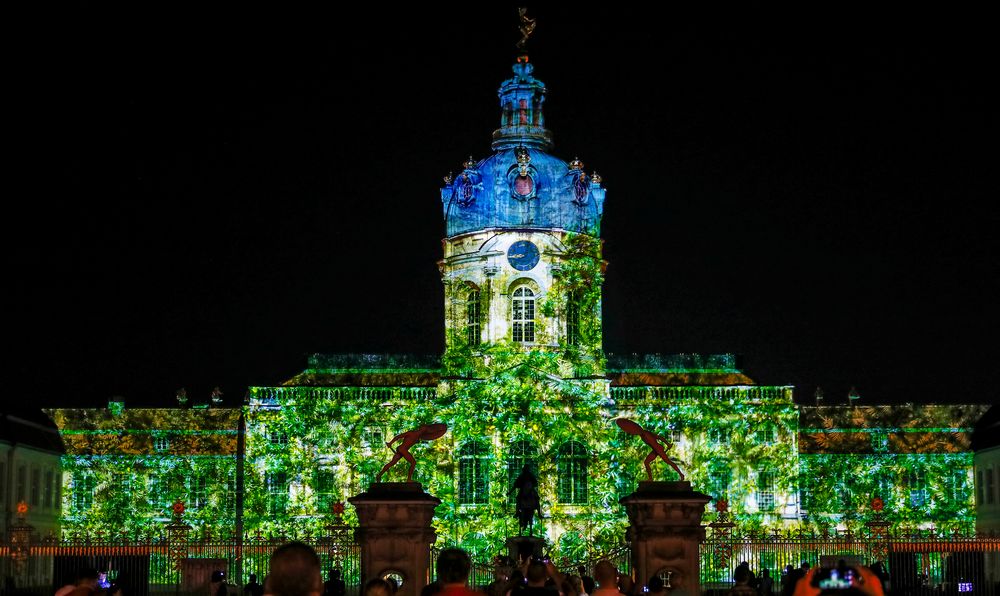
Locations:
{"points": [[521, 185]]}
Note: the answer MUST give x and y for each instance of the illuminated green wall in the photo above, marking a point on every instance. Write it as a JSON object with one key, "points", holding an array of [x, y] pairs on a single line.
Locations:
{"points": [[309, 447]]}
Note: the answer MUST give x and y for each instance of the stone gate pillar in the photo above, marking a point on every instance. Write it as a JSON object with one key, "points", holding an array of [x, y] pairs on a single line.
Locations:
{"points": [[665, 532], [395, 534]]}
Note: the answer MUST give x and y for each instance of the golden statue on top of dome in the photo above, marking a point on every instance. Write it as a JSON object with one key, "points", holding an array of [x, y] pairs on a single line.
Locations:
{"points": [[527, 27]]}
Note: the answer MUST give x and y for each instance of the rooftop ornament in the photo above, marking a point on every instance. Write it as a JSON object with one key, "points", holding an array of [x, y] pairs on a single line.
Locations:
{"points": [[526, 28], [523, 159]]}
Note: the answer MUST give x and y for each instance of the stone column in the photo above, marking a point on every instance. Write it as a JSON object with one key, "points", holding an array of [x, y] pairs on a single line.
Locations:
{"points": [[395, 534], [665, 533]]}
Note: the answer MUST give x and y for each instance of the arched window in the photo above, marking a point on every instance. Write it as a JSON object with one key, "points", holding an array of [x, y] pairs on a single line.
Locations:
{"points": [[473, 473], [571, 468], [523, 315], [522, 453], [573, 319], [473, 318]]}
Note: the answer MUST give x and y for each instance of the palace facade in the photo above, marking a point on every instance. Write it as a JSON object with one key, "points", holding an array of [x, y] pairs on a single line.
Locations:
{"points": [[524, 380]]}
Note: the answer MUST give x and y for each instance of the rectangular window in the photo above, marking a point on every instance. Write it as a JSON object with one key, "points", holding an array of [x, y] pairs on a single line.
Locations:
{"points": [[22, 484], [765, 435], [989, 486], [83, 492], [979, 489], [473, 326], [880, 442], [718, 437], [917, 481], [277, 492], [198, 491], [326, 483], [720, 477], [373, 437], [571, 470], [156, 492], [229, 497], [958, 486], [36, 487], [523, 316], [161, 443], [472, 486], [807, 498], [884, 489], [765, 491], [48, 489], [573, 319]]}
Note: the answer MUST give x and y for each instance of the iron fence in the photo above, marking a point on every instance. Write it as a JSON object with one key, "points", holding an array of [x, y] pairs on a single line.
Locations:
{"points": [[162, 563], [914, 561]]}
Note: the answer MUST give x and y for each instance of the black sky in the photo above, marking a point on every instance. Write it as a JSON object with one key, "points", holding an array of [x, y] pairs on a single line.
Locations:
{"points": [[203, 199]]}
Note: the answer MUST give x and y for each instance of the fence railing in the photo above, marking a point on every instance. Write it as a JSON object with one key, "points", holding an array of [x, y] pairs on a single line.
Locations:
{"points": [[175, 564], [914, 561]]}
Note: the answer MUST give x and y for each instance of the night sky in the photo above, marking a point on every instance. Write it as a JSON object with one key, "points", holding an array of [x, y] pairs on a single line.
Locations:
{"points": [[203, 199]]}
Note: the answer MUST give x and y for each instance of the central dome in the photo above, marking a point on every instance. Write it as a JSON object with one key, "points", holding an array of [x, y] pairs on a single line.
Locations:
{"points": [[521, 185]]}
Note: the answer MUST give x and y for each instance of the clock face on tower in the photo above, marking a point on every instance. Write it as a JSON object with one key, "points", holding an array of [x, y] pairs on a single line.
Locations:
{"points": [[522, 255]]}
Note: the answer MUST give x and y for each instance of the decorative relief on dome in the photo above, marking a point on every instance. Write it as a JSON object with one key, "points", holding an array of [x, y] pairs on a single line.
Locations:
{"points": [[523, 160], [465, 188]]}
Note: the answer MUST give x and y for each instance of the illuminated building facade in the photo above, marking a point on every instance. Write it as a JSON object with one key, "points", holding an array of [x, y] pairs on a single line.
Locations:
{"points": [[524, 380]]}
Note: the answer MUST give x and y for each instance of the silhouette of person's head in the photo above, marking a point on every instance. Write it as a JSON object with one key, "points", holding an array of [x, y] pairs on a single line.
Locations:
{"points": [[294, 571], [453, 566]]}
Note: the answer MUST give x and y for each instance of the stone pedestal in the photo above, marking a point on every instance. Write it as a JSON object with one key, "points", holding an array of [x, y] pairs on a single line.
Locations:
{"points": [[525, 546], [395, 534], [665, 532]]}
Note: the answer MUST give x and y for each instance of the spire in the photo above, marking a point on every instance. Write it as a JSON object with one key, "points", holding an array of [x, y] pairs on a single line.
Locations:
{"points": [[522, 122]]}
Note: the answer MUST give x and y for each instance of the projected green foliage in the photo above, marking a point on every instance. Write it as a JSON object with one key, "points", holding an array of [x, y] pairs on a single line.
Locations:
{"points": [[310, 447], [917, 488]]}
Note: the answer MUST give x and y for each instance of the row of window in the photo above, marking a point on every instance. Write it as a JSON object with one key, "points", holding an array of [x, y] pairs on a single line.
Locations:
{"points": [[719, 437], [34, 485], [720, 478], [198, 490], [914, 491], [475, 463], [522, 317]]}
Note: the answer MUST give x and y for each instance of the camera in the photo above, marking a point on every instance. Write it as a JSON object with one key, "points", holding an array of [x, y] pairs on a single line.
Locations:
{"points": [[837, 578]]}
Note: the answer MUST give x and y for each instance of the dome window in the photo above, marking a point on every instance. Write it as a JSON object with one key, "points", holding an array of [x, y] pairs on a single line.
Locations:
{"points": [[523, 186]]}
